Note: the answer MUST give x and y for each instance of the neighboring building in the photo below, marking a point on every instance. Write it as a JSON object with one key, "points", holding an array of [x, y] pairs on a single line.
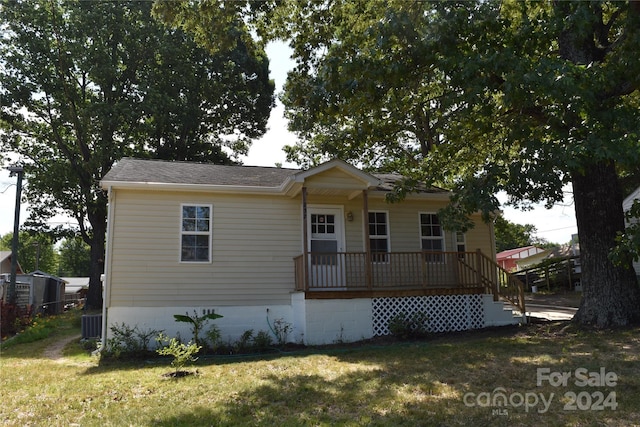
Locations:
{"points": [[626, 206], [319, 248], [5, 263], [39, 292], [75, 290], [509, 259], [5, 272]]}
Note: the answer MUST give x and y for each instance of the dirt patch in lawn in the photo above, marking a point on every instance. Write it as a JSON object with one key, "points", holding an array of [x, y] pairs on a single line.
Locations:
{"points": [[54, 351]]}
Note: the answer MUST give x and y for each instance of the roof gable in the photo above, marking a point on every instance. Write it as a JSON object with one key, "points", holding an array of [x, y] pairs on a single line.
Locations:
{"points": [[5, 258], [517, 252], [332, 177], [341, 166]]}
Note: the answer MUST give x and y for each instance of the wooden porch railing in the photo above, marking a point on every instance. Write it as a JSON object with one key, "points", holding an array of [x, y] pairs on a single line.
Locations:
{"points": [[504, 284], [350, 271]]}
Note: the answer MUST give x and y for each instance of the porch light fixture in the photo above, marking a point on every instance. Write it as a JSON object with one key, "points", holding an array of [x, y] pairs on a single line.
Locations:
{"points": [[349, 216]]}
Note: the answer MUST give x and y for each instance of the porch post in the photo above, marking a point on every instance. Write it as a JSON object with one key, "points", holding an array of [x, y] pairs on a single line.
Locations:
{"points": [[305, 239], [367, 244]]}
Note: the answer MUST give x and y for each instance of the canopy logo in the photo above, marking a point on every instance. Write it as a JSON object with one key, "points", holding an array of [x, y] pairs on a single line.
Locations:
{"points": [[596, 396]]}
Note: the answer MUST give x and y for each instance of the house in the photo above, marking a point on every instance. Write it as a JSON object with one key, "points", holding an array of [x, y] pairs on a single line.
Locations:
{"points": [[5, 263], [626, 206], [509, 259], [75, 290], [319, 249], [557, 266]]}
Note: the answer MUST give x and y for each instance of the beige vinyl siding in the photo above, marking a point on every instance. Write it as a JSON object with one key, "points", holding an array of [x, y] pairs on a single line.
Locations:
{"points": [[334, 179], [404, 223], [480, 237], [254, 241]]}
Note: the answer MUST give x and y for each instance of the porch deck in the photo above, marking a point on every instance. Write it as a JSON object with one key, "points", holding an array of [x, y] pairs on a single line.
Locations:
{"points": [[360, 274]]}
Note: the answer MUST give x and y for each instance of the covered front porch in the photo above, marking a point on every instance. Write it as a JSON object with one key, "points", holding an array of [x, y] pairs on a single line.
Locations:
{"points": [[357, 245]]}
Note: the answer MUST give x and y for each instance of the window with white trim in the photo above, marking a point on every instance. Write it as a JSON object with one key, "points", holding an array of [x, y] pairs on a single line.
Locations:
{"points": [[431, 236], [195, 233], [461, 243], [379, 236]]}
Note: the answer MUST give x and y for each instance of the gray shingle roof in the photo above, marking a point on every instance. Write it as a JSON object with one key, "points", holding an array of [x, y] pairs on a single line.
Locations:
{"points": [[158, 171], [174, 172]]}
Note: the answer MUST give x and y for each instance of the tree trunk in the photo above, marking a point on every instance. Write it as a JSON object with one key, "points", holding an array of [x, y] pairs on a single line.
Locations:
{"points": [[94, 295], [611, 296], [97, 216]]}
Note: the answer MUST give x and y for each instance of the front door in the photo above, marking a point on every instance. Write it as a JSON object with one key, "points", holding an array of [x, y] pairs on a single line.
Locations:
{"points": [[326, 245]]}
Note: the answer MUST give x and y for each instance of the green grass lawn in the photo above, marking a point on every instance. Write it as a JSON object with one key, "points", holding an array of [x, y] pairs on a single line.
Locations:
{"points": [[483, 378]]}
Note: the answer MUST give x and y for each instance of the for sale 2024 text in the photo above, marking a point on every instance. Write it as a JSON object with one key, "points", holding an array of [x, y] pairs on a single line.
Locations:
{"points": [[589, 399]]}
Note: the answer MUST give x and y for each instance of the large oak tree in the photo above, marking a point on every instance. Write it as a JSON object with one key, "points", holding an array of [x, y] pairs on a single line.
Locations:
{"points": [[523, 97], [85, 83]]}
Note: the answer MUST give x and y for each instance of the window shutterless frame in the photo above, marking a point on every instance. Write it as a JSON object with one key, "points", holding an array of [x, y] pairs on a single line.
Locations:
{"points": [[196, 229], [431, 236], [379, 244]]}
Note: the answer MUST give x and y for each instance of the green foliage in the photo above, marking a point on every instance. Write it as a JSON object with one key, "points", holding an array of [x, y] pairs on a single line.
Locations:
{"points": [[408, 326], [197, 321], [127, 341], [479, 97], [445, 93], [244, 342], [181, 353], [31, 329], [262, 340], [510, 235], [213, 337], [35, 251], [75, 258], [281, 329], [87, 83]]}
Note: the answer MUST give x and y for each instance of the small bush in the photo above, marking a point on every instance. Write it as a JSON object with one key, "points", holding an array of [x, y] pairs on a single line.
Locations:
{"points": [[128, 341], [407, 326], [181, 353], [281, 330], [14, 319], [213, 338], [244, 342], [262, 341]]}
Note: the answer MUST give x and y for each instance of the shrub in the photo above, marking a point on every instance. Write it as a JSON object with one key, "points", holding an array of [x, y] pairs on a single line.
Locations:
{"points": [[262, 340], [181, 353], [40, 327], [128, 341], [13, 319], [244, 342], [213, 337], [406, 326], [281, 330]]}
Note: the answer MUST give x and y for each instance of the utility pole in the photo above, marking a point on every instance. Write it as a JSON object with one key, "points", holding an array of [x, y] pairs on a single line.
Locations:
{"points": [[11, 294]]}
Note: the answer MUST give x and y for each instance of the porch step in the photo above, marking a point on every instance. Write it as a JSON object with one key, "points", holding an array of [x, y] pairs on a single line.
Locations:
{"points": [[499, 313]]}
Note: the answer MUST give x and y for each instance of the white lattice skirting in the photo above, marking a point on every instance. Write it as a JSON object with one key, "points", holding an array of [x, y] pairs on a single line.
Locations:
{"points": [[446, 312]]}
